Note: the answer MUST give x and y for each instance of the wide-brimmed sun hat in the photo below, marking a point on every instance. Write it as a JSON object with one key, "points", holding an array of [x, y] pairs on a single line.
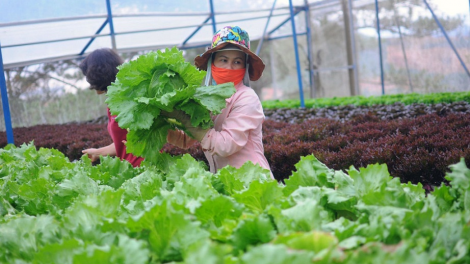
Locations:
{"points": [[236, 36]]}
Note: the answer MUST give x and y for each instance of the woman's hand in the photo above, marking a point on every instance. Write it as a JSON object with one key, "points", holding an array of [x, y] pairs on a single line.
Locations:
{"points": [[197, 133], [95, 153], [194, 132], [92, 153]]}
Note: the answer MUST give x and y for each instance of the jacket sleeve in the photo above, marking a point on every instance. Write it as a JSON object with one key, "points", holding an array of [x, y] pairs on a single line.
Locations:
{"points": [[246, 114], [180, 139]]}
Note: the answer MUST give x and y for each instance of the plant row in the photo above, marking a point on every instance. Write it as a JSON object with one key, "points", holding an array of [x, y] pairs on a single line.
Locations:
{"points": [[347, 112], [415, 150], [69, 139], [56, 211], [412, 98]]}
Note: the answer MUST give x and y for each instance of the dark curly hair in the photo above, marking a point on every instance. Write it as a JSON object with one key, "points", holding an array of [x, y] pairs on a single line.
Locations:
{"points": [[100, 68]]}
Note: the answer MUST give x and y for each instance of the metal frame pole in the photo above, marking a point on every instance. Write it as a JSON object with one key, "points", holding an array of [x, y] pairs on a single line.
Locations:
{"points": [[313, 90], [353, 47], [214, 28], [93, 38], [299, 73], [447, 37], [349, 46], [265, 28], [283, 22], [5, 104], [402, 41], [380, 46], [195, 31], [111, 25]]}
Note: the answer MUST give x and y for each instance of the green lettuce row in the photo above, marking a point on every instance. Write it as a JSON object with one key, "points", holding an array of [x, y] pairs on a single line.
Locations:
{"points": [[360, 100], [113, 213]]}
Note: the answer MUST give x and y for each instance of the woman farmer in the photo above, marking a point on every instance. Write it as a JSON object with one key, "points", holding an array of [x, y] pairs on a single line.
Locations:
{"points": [[100, 70], [237, 133]]}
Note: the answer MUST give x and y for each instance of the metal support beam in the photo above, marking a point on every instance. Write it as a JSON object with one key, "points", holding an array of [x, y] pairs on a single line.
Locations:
{"points": [[349, 48], [260, 43], [353, 47], [296, 49], [380, 46], [402, 41], [287, 36], [308, 23], [5, 104], [195, 31], [214, 25], [111, 25], [93, 38], [285, 21], [447, 37]]}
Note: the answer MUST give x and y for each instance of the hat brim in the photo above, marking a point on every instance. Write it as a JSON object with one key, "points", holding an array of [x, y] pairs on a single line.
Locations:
{"points": [[256, 63]]}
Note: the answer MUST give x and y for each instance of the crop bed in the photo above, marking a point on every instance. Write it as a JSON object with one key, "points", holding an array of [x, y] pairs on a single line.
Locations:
{"points": [[58, 207], [417, 142], [385, 112]]}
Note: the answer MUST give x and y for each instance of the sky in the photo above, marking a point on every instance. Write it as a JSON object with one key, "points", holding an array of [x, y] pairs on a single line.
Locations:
{"points": [[453, 6]]}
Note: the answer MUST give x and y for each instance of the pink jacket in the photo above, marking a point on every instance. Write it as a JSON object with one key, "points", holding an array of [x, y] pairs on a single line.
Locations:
{"points": [[237, 133]]}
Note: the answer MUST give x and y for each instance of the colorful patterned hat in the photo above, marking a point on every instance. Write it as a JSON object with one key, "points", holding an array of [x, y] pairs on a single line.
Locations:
{"points": [[236, 36]]}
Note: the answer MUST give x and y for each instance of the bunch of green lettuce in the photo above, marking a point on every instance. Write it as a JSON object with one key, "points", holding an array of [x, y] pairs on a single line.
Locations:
{"points": [[157, 81]]}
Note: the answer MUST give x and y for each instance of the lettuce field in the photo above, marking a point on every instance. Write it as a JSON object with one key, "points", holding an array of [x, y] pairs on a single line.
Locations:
{"points": [[56, 211]]}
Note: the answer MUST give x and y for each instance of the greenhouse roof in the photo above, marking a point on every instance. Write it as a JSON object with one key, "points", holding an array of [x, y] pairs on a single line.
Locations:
{"points": [[33, 32]]}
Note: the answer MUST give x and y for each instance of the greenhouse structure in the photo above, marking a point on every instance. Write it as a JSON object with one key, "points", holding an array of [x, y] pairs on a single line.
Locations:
{"points": [[312, 48]]}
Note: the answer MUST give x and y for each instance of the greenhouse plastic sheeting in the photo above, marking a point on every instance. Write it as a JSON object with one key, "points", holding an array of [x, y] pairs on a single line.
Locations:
{"points": [[38, 31]]}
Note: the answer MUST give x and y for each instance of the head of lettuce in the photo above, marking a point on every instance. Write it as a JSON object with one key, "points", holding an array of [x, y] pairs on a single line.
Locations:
{"points": [[161, 81]]}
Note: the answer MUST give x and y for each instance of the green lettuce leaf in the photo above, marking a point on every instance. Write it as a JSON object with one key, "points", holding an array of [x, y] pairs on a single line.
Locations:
{"points": [[253, 230], [313, 241], [259, 195], [459, 178], [168, 232], [310, 172], [276, 254]]}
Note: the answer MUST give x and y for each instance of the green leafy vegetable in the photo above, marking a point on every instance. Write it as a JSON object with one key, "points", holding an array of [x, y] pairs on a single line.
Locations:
{"points": [[161, 81]]}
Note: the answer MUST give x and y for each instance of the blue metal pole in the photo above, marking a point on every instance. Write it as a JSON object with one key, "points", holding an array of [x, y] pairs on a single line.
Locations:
{"points": [[111, 25], [6, 106], [299, 74], [214, 27], [194, 32], [283, 22], [265, 28], [380, 47], [447, 37], [93, 39]]}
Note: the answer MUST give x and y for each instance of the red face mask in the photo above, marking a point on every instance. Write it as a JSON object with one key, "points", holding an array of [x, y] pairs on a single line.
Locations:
{"points": [[222, 75]]}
